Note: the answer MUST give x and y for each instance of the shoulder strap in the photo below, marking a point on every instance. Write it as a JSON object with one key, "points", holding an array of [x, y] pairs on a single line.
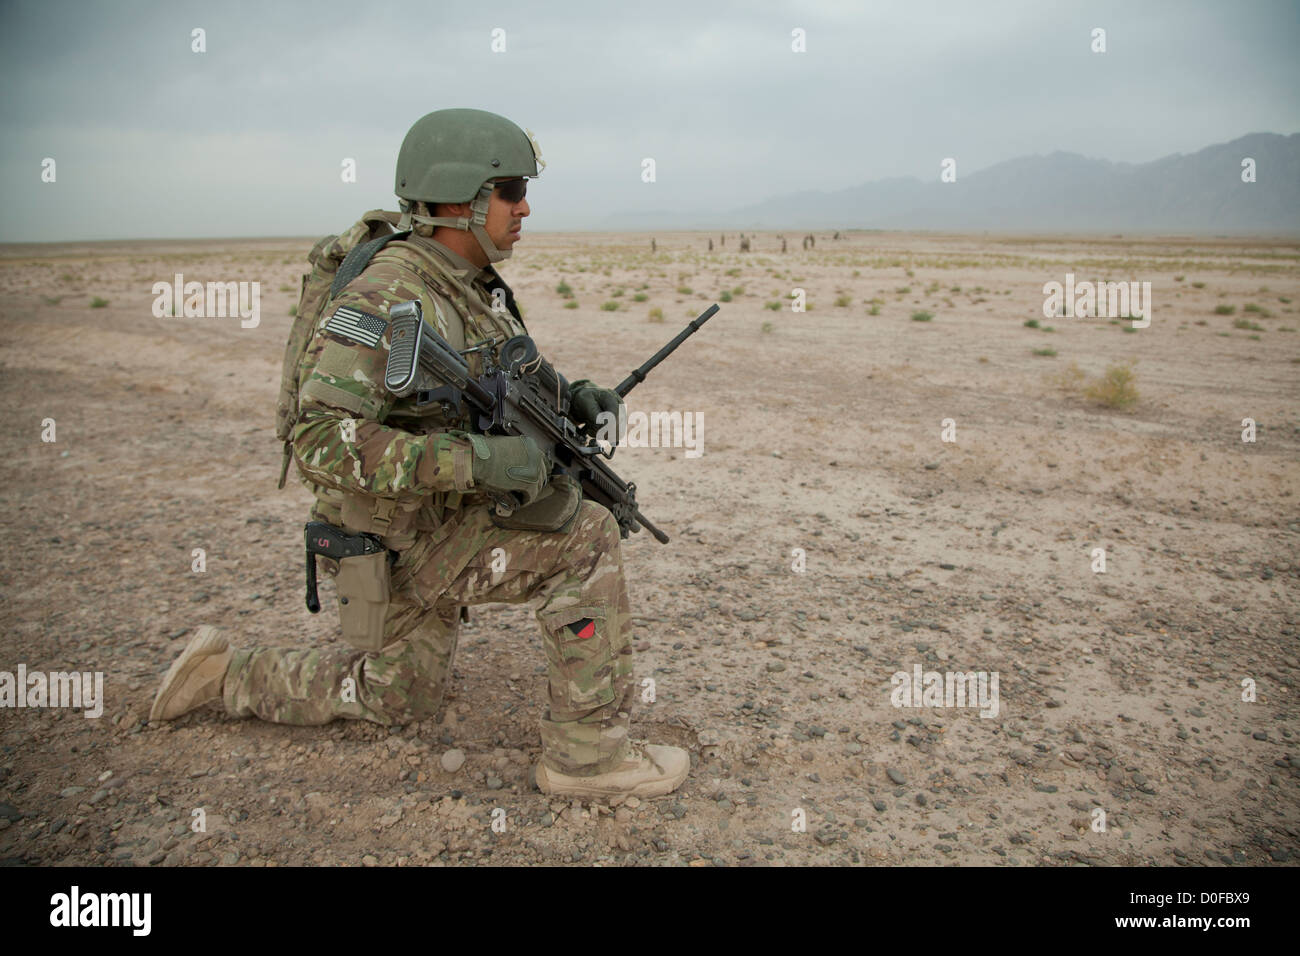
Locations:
{"points": [[356, 261], [499, 283]]}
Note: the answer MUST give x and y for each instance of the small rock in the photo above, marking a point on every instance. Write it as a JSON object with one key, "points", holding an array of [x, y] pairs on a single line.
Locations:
{"points": [[453, 760], [896, 776]]}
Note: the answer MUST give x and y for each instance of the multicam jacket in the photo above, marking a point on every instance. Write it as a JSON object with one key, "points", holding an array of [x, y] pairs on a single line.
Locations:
{"points": [[376, 462]]}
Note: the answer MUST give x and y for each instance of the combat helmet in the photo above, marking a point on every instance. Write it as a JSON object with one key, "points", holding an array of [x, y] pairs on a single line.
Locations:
{"points": [[450, 155]]}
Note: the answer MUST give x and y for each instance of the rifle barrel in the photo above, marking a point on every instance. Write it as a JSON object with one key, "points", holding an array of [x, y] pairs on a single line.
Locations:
{"points": [[639, 374]]}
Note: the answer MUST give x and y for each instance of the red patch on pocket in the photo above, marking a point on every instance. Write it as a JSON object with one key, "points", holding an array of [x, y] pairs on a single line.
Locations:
{"points": [[583, 629]]}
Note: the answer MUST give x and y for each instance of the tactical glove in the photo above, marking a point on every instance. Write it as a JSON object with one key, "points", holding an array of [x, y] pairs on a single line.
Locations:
{"points": [[587, 400], [509, 463]]}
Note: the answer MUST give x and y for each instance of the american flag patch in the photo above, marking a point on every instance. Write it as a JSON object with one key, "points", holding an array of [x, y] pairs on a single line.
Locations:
{"points": [[357, 326]]}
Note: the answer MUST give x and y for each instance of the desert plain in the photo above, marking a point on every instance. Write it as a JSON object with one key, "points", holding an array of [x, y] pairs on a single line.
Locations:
{"points": [[905, 475]]}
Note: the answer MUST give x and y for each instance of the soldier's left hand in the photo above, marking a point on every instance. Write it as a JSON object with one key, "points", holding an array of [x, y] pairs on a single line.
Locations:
{"points": [[587, 400]]}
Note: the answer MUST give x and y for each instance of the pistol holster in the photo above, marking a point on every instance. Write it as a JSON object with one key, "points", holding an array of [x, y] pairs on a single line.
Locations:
{"points": [[362, 570]]}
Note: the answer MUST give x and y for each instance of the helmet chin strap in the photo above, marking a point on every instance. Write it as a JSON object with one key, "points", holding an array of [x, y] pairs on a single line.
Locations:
{"points": [[474, 224]]}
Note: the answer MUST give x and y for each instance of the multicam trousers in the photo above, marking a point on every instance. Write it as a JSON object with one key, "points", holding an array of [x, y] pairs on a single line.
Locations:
{"points": [[575, 583]]}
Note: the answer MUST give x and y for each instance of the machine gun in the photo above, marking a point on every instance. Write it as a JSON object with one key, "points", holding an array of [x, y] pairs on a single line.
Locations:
{"points": [[519, 394]]}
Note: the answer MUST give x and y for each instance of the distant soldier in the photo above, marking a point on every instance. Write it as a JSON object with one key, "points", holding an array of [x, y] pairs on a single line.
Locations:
{"points": [[710, 244], [783, 243], [653, 247], [744, 244]]}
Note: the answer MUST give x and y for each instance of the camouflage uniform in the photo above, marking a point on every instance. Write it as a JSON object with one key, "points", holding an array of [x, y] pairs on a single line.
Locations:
{"points": [[407, 476]]}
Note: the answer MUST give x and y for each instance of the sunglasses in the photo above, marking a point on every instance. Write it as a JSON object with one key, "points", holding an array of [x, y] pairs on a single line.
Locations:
{"points": [[511, 190]]}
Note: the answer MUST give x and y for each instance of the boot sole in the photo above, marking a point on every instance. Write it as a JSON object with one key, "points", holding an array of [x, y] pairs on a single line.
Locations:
{"points": [[651, 788], [201, 646]]}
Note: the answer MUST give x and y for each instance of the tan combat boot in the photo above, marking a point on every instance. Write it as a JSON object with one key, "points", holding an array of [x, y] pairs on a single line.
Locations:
{"points": [[650, 770], [196, 677]]}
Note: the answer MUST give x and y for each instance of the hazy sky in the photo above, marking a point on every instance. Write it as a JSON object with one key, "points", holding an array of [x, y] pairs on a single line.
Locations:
{"points": [[246, 139]]}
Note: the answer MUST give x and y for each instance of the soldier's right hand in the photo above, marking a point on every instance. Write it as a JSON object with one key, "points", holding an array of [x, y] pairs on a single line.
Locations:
{"points": [[510, 463]]}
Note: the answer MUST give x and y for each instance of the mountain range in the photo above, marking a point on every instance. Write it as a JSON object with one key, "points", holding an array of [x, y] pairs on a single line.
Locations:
{"points": [[1200, 193]]}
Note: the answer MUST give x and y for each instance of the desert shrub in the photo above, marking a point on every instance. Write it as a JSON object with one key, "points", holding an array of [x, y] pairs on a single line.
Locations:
{"points": [[1071, 378], [921, 316], [1115, 388]]}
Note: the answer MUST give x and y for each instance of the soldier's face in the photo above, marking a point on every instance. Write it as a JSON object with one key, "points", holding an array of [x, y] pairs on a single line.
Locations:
{"points": [[505, 219]]}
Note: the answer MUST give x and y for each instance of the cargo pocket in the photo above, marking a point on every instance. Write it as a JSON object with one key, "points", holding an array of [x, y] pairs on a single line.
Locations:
{"points": [[579, 660]]}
